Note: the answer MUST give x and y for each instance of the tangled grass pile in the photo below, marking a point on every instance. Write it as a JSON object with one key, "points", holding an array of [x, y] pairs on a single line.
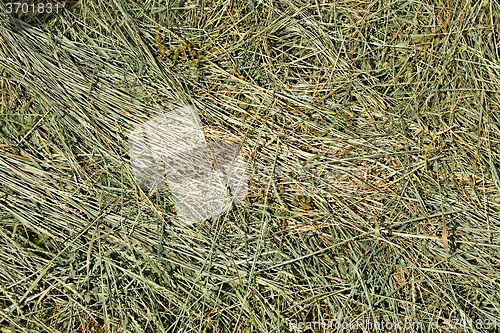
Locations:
{"points": [[371, 135]]}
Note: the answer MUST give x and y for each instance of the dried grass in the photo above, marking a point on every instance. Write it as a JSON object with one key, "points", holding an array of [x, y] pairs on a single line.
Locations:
{"points": [[371, 134]]}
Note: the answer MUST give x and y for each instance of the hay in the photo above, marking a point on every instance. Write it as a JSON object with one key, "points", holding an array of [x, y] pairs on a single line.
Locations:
{"points": [[370, 131]]}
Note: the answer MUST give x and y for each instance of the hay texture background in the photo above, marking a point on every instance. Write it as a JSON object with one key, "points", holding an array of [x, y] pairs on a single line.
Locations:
{"points": [[370, 131]]}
